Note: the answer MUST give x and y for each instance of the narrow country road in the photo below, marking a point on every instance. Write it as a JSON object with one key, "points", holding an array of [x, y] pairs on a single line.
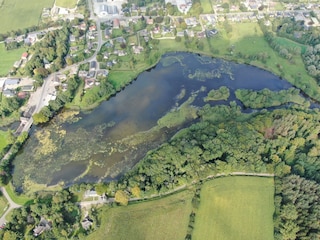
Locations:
{"points": [[12, 205]]}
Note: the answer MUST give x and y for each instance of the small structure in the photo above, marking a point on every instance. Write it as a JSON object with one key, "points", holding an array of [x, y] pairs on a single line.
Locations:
{"points": [[93, 65], [116, 23], [90, 193], [24, 56]]}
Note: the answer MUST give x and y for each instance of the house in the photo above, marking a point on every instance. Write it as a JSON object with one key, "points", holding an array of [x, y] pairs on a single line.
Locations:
{"points": [[27, 88], [83, 73], [211, 33], [89, 83], [17, 63], [137, 49], [86, 223], [72, 38], [116, 23], [2, 81], [93, 65], [24, 55], [44, 225], [150, 21], [107, 33], [8, 93], [105, 55], [12, 83], [93, 28], [120, 40]]}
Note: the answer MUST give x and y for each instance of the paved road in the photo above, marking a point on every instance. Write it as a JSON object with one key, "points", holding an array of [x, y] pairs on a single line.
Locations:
{"points": [[12, 205]]}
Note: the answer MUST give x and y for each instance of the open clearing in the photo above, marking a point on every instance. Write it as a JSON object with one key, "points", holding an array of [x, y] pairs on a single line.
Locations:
{"points": [[66, 3], [166, 218], [19, 14], [236, 207], [8, 58]]}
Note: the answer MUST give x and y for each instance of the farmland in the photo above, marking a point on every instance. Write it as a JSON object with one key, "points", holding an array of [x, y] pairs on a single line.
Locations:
{"points": [[235, 208], [166, 218], [19, 14]]}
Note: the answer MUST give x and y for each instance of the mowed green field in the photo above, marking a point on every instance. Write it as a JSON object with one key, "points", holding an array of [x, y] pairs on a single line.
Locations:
{"points": [[236, 208], [3, 139], [206, 6], [66, 3], [163, 219], [19, 14], [7, 58]]}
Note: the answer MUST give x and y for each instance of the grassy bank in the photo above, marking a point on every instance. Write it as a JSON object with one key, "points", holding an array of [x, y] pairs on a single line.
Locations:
{"points": [[19, 199], [19, 14], [166, 218], [235, 208], [3, 205]]}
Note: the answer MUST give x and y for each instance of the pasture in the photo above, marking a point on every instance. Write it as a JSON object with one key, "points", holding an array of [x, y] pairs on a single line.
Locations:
{"points": [[19, 14], [166, 218], [237, 207], [7, 58], [66, 3]]}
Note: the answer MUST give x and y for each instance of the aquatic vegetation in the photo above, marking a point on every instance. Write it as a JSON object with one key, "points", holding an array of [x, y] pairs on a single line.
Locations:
{"points": [[222, 93]]}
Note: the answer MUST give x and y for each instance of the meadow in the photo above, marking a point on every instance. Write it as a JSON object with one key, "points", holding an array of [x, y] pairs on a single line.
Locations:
{"points": [[166, 218], [19, 14], [235, 207], [66, 3], [8, 58]]}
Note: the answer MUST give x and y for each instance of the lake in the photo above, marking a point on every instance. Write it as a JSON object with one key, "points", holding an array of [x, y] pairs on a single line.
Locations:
{"points": [[102, 144]]}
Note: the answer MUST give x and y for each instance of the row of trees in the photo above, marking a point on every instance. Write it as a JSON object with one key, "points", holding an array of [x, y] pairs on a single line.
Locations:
{"points": [[312, 60]]}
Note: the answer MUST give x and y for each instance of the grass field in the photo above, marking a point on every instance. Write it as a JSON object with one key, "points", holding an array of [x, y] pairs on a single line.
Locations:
{"points": [[236, 208], [19, 14], [206, 5], [4, 136], [8, 58], [22, 199], [287, 43], [163, 219], [248, 39], [66, 3]]}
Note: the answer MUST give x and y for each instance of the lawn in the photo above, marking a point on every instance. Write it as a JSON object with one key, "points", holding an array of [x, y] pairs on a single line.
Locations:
{"points": [[4, 137], [19, 14], [206, 6], [66, 3], [166, 218], [3, 204], [236, 207], [289, 44], [21, 199], [7, 58]]}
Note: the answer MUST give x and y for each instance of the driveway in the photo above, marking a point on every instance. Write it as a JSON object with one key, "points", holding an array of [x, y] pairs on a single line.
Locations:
{"points": [[12, 205]]}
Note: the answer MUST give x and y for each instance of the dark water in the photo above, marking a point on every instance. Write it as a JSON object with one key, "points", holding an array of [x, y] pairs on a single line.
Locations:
{"points": [[93, 139]]}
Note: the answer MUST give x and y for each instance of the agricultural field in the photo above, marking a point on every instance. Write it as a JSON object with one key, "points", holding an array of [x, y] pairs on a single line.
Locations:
{"points": [[66, 3], [8, 58], [19, 14], [236, 207], [166, 218]]}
